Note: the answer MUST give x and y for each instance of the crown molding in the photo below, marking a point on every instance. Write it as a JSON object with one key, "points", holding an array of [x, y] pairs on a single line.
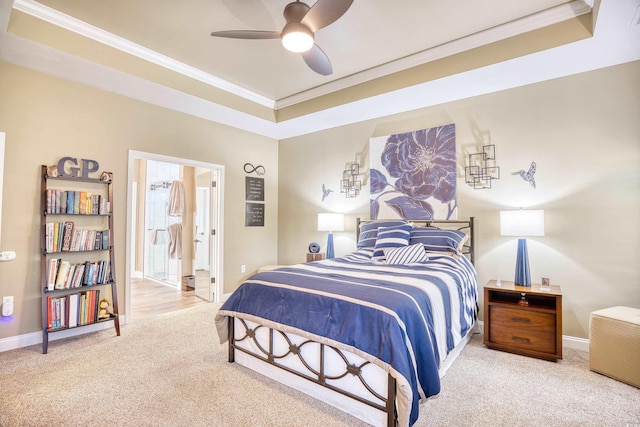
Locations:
{"points": [[545, 18], [77, 26], [523, 25]]}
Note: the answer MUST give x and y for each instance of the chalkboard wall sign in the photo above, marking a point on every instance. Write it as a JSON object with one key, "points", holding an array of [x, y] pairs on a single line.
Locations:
{"points": [[254, 215], [254, 188]]}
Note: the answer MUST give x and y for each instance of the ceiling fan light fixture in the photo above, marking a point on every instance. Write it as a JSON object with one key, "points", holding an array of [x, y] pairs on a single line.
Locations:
{"points": [[297, 38]]}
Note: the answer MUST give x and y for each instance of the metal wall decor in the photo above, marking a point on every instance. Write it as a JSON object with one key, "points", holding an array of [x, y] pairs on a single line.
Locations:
{"points": [[528, 175], [482, 169], [249, 168], [325, 192], [350, 184]]}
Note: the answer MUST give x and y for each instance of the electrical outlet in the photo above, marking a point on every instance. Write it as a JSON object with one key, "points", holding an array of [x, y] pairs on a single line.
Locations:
{"points": [[243, 268], [7, 306]]}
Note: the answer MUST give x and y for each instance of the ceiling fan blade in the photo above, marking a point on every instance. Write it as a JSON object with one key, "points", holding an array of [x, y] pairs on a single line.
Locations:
{"points": [[317, 60], [325, 12], [247, 34]]}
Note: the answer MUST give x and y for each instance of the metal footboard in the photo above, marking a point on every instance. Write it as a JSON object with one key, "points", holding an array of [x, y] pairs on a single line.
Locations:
{"points": [[318, 376]]}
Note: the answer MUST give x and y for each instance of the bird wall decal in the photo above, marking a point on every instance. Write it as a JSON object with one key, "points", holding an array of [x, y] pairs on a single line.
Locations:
{"points": [[528, 175], [325, 192]]}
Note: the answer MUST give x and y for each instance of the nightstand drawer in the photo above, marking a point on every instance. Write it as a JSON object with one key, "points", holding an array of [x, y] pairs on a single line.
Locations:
{"points": [[524, 329], [523, 338], [531, 321]]}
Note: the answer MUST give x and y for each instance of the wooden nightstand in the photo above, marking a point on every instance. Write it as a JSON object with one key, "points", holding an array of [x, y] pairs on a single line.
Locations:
{"points": [[531, 330], [315, 257]]}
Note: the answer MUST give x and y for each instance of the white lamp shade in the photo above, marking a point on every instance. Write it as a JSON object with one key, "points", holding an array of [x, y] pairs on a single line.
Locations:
{"points": [[330, 222], [522, 223]]}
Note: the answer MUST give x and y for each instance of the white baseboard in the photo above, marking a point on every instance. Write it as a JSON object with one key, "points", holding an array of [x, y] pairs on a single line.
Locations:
{"points": [[35, 338], [575, 343]]}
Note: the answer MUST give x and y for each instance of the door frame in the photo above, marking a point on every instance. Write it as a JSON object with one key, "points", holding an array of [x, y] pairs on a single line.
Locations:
{"points": [[216, 219]]}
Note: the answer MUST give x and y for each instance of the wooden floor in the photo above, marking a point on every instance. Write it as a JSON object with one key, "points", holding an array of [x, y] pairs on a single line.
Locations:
{"points": [[150, 298]]}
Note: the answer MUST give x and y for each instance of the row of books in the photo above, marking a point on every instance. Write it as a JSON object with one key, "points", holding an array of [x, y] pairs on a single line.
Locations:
{"points": [[64, 237], [76, 203], [72, 310], [62, 274]]}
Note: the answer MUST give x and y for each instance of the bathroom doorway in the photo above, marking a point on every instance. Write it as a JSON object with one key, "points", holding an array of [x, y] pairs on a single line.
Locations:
{"points": [[161, 253], [174, 230]]}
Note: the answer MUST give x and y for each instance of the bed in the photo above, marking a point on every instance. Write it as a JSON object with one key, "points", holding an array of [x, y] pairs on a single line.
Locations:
{"points": [[370, 333]]}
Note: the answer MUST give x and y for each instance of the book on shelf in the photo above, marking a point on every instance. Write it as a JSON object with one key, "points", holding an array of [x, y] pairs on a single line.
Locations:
{"points": [[97, 241], [82, 204], [56, 230], [49, 313], [76, 202], [106, 239], [48, 237], [88, 203], [70, 201], [63, 272], [67, 236], [60, 203], [73, 310], [52, 273]]}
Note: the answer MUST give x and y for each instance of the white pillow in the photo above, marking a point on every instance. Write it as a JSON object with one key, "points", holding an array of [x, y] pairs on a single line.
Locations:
{"points": [[406, 254]]}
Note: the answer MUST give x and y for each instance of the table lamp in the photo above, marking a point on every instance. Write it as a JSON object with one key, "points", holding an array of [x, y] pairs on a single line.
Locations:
{"points": [[330, 222], [522, 223]]}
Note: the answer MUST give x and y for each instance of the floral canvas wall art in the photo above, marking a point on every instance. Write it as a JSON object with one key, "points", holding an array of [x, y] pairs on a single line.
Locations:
{"points": [[413, 174]]}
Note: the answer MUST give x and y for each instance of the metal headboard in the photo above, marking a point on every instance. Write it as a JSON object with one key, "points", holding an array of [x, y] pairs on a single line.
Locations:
{"points": [[462, 225]]}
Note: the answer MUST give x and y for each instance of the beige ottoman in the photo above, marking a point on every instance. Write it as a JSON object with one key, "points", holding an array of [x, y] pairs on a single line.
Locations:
{"points": [[614, 343]]}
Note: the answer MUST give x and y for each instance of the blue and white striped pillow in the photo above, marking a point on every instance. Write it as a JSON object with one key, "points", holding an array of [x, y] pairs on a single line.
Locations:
{"points": [[369, 232], [391, 237], [406, 254], [436, 240]]}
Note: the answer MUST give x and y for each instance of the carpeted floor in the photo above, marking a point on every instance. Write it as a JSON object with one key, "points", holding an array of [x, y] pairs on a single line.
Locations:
{"points": [[171, 371]]}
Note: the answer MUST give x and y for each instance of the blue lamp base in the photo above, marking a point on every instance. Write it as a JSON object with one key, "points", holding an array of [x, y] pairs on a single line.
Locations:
{"points": [[330, 253], [523, 275]]}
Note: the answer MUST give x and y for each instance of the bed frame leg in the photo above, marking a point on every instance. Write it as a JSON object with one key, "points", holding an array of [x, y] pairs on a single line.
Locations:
{"points": [[231, 339], [391, 401]]}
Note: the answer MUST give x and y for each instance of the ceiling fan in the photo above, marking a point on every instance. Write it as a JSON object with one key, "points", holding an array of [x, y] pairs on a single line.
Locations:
{"points": [[298, 33]]}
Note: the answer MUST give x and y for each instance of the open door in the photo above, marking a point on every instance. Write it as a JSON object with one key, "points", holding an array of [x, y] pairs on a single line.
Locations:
{"points": [[205, 242]]}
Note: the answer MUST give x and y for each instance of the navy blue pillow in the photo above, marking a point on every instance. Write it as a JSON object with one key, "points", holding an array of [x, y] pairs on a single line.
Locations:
{"points": [[369, 232], [436, 240]]}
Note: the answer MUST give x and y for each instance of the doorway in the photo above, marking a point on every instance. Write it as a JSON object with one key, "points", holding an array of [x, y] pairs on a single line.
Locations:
{"points": [[173, 257], [161, 263]]}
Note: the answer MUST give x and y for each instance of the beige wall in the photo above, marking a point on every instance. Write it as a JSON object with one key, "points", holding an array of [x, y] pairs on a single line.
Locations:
{"points": [[583, 132], [46, 118]]}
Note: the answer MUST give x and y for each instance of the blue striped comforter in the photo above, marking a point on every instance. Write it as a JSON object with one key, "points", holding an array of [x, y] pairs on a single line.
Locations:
{"points": [[408, 317]]}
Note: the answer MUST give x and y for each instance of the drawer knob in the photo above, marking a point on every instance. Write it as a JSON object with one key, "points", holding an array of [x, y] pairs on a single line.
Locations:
{"points": [[520, 339], [521, 319]]}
